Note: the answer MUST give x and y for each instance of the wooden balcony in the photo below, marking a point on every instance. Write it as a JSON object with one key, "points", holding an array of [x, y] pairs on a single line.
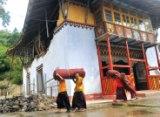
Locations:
{"points": [[125, 32]]}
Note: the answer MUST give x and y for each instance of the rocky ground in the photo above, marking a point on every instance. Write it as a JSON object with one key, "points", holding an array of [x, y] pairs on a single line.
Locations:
{"points": [[43, 103], [23, 104], [142, 107]]}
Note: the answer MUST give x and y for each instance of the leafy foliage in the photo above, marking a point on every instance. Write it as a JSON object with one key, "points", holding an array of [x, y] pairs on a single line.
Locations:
{"points": [[4, 65], [9, 39], [3, 86], [4, 15], [10, 69], [3, 1]]}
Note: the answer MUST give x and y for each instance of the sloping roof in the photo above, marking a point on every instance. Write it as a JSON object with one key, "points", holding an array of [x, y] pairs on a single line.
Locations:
{"points": [[35, 17], [34, 22]]}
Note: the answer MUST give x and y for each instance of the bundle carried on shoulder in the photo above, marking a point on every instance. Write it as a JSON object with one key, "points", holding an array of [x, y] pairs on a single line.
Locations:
{"points": [[69, 73], [126, 83], [113, 73]]}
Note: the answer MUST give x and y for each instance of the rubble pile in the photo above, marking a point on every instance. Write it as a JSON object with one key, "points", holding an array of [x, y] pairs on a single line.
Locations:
{"points": [[27, 104]]}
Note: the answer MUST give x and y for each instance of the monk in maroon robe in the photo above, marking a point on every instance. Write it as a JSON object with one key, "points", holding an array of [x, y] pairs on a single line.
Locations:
{"points": [[120, 89], [122, 84]]}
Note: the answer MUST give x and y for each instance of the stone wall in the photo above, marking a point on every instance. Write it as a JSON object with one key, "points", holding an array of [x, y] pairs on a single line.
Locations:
{"points": [[23, 104], [11, 89]]}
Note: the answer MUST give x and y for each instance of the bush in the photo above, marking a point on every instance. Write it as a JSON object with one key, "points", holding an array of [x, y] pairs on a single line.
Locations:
{"points": [[9, 69]]}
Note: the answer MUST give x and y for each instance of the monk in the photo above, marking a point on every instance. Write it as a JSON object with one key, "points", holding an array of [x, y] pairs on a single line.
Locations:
{"points": [[78, 101], [120, 89], [62, 99], [122, 84], [128, 86]]}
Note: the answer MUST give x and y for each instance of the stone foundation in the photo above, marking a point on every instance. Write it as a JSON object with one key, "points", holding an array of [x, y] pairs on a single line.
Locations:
{"points": [[23, 104]]}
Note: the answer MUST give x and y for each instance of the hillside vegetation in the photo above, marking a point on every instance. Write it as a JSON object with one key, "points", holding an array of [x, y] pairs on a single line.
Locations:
{"points": [[10, 68]]}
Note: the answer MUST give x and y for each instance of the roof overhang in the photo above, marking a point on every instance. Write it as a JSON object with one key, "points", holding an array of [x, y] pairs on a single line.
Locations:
{"points": [[34, 21]]}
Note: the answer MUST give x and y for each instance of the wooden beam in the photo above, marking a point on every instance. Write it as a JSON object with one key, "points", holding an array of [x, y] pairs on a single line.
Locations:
{"points": [[146, 65], [121, 66], [108, 44], [128, 55]]}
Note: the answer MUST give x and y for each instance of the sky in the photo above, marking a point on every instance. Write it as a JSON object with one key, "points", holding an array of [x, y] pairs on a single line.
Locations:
{"points": [[17, 9]]}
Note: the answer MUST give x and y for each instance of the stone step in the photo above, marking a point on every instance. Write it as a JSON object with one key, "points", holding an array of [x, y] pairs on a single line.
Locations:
{"points": [[147, 93]]}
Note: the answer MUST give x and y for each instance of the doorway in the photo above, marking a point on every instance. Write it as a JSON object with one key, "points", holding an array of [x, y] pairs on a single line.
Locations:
{"points": [[140, 76], [122, 70], [40, 80]]}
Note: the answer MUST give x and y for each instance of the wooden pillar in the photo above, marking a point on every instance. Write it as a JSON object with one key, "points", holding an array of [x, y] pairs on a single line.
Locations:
{"points": [[158, 61], [103, 81], [128, 56], [109, 52], [146, 65]]}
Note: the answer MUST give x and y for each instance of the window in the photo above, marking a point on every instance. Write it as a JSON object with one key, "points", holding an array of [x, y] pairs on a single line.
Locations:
{"points": [[133, 23], [40, 80], [141, 24], [148, 25], [117, 18], [108, 15], [126, 20]]}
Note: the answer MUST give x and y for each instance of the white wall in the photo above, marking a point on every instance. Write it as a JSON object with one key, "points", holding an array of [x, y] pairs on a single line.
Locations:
{"points": [[151, 57], [152, 60], [71, 47], [158, 37], [24, 87]]}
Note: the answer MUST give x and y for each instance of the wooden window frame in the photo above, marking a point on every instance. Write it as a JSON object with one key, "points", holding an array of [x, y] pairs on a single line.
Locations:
{"points": [[104, 15], [104, 10], [129, 14], [119, 12], [119, 22]]}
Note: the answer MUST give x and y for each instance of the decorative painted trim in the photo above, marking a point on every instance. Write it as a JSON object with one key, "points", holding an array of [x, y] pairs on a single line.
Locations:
{"points": [[72, 23]]}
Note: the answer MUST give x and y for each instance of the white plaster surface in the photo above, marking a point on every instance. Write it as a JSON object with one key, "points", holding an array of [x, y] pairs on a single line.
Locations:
{"points": [[71, 47], [152, 60]]}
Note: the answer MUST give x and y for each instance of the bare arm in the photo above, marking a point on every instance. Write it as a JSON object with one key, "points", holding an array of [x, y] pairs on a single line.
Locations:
{"points": [[74, 80]]}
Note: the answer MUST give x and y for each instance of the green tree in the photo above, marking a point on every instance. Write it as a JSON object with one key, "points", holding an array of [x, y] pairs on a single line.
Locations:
{"points": [[10, 69], [4, 15], [14, 38], [4, 67], [9, 38], [4, 37]]}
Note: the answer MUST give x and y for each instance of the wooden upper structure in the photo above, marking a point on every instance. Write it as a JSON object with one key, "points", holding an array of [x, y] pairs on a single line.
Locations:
{"points": [[133, 19]]}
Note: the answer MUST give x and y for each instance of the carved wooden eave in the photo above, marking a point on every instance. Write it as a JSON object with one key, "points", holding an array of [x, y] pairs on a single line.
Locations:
{"points": [[36, 19]]}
